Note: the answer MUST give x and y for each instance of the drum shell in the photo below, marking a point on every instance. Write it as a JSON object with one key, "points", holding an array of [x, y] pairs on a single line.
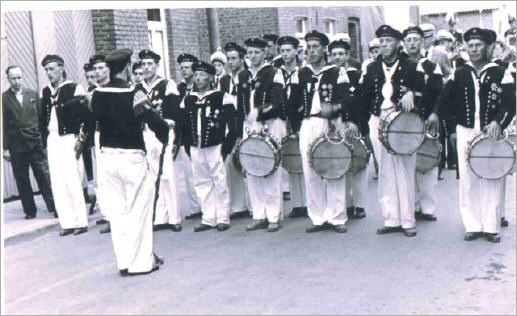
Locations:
{"points": [[329, 160], [259, 155], [490, 159], [291, 157], [428, 155], [401, 133], [360, 156]]}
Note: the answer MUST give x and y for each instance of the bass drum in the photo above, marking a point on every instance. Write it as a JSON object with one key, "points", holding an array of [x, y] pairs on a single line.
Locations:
{"points": [[291, 157], [490, 158], [330, 157], [360, 156], [401, 133], [259, 154], [428, 155]]}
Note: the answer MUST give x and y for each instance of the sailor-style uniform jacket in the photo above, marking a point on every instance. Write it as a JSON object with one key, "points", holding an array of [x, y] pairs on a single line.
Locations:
{"points": [[210, 121], [362, 115], [184, 90], [260, 89], [71, 107], [119, 126], [283, 89], [227, 84], [494, 88], [431, 84], [404, 79], [333, 87]]}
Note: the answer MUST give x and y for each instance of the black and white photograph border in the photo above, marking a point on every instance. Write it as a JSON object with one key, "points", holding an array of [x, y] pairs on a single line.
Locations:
{"points": [[80, 237]]}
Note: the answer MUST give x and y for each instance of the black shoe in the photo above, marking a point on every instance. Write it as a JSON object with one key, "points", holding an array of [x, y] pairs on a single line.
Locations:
{"points": [[257, 224], [92, 205], [55, 214], [440, 177], [305, 212], [340, 228], [273, 227], [160, 227], [427, 217], [296, 212], [126, 274], [30, 216], [240, 214], [350, 211], [80, 230], [315, 228], [106, 229], [101, 221], [493, 237], [123, 272], [175, 227], [222, 227], [195, 215], [409, 232], [202, 227], [472, 236], [389, 230], [65, 232], [504, 222], [359, 212]]}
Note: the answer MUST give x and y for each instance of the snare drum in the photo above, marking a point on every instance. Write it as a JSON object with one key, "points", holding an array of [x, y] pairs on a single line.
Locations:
{"points": [[291, 157], [360, 156], [330, 157], [259, 154], [490, 158], [401, 133], [428, 155]]}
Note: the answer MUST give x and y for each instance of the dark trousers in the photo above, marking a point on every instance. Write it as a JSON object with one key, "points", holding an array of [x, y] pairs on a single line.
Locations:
{"points": [[88, 164], [37, 160]]}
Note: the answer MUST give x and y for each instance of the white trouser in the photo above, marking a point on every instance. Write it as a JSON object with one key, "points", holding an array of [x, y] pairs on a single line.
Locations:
{"points": [[357, 189], [374, 136], [236, 187], [502, 198], [297, 190], [397, 188], [130, 188], [265, 193], [426, 191], [66, 174], [480, 199], [191, 204], [325, 198], [211, 185], [99, 176], [167, 205]]}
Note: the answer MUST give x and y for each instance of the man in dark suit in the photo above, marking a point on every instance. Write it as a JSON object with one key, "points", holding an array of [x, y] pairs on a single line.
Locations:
{"points": [[22, 142]]}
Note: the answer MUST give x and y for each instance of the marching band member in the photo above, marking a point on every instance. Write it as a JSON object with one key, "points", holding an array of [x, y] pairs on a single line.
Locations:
{"points": [[138, 73], [425, 195], [285, 73], [478, 97], [185, 87], [256, 108], [121, 110], [239, 200], [218, 60], [320, 93], [389, 82], [210, 133], [165, 100], [272, 57], [356, 185], [65, 119], [89, 181]]}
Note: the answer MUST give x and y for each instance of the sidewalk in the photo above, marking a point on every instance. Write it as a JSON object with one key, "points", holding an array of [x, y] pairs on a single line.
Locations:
{"points": [[17, 228]]}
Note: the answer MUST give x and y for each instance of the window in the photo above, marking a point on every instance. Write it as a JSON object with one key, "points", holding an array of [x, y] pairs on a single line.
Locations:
{"points": [[354, 31], [158, 39], [302, 25], [330, 26]]}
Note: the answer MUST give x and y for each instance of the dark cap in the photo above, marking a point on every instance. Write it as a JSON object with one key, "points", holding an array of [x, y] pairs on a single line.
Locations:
{"points": [[339, 44], [255, 42], [186, 57], [491, 36], [52, 58], [232, 46], [477, 33], [136, 66], [148, 54], [97, 59], [388, 31], [288, 40], [413, 30], [87, 67], [122, 55], [202, 66], [270, 37], [315, 35]]}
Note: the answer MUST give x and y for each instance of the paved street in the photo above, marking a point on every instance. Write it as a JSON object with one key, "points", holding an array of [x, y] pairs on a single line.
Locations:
{"points": [[288, 272]]}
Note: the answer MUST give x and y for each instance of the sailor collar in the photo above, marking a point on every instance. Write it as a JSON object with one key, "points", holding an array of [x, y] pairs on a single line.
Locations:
{"points": [[489, 65], [154, 84], [209, 92], [258, 70], [53, 91], [325, 68], [287, 71]]}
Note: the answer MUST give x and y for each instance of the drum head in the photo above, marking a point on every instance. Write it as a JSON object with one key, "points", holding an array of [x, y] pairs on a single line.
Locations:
{"points": [[405, 133], [491, 159], [428, 155], [257, 157], [291, 157], [330, 161], [360, 157]]}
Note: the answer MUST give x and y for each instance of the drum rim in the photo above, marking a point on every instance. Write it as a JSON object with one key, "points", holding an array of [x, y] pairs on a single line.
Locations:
{"points": [[383, 137], [481, 136], [271, 144], [282, 160], [368, 156], [318, 141], [437, 160]]}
